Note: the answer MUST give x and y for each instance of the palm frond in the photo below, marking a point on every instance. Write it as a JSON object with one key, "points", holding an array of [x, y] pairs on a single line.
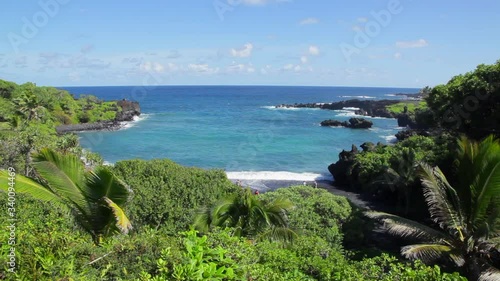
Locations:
{"points": [[489, 273], [406, 228], [220, 212], [488, 185], [64, 175], [26, 185], [442, 200], [276, 211], [103, 183], [431, 252], [203, 219], [122, 222], [281, 234]]}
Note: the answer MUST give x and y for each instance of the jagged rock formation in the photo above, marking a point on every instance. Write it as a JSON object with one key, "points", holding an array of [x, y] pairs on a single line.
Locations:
{"points": [[129, 110], [354, 123], [374, 108]]}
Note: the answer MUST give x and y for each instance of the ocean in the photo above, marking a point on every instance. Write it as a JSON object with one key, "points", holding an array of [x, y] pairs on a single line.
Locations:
{"points": [[237, 128]]}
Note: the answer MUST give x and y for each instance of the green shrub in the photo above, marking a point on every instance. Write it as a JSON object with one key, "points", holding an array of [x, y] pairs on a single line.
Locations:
{"points": [[167, 194], [316, 211]]}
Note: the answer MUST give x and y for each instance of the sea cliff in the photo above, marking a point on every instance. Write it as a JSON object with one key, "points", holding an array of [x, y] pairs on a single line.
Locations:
{"points": [[129, 110]]}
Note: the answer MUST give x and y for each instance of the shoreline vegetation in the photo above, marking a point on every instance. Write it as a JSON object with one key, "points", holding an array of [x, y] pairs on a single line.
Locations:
{"points": [[127, 111], [75, 219]]}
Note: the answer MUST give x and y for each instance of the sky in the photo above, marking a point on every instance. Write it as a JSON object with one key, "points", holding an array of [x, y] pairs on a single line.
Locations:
{"points": [[379, 43]]}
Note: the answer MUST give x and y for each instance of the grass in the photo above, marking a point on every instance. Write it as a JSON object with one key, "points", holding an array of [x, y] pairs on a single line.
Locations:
{"points": [[411, 105]]}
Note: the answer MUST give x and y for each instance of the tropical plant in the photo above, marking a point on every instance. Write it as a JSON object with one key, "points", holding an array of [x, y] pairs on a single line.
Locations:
{"points": [[469, 102], [468, 215], [29, 105], [401, 176], [167, 195], [249, 216], [96, 198]]}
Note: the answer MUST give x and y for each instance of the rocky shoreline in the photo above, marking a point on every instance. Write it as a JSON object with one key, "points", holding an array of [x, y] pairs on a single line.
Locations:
{"points": [[354, 123], [129, 110], [373, 108]]}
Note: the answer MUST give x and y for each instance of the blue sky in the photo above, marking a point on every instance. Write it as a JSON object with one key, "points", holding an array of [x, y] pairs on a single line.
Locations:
{"points": [[400, 43]]}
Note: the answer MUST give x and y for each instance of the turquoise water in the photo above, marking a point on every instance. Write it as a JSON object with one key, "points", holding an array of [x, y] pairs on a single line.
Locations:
{"points": [[237, 129]]}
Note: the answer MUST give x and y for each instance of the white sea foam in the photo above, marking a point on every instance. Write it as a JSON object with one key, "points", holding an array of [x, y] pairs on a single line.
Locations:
{"points": [[282, 175], [137, 119], [348, 111], [350, 108], [358, 97], [107, 163], [390, 95], [378, 117], [390, 138], [272, 107]]}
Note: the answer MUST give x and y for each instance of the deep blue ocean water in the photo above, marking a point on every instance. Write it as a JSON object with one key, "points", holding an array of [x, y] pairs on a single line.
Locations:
{"points": [[236, 128]]}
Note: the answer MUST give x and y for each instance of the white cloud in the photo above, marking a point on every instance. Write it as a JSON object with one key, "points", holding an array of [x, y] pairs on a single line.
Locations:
{"points": [[398, 56], [244, 52], [356, 28], [266, 70], [240, 68], [362, 19], [309, 21], [313, 50], [158, 67], [412, 44], [304, 59], [202, 68], [292, 67], [151, 67]]}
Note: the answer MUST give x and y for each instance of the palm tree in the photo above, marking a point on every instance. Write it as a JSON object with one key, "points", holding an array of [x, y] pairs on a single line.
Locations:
{"points": [[249, 216], [468, 216], [29, 105], [402, 176], [96, 198]]}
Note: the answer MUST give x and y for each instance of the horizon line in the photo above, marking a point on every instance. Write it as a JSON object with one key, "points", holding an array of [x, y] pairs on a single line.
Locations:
{"points": [[236, 85]]}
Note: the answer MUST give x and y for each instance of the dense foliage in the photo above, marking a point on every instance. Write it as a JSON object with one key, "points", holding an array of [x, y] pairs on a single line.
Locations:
{"points": [[407, 107], [316, 211], [467, 215], [389, 171], [468, 103], [50, 246], [96, 198], [30, 114], [52, 242], [249, 216], [167, 194], [51, 105]]}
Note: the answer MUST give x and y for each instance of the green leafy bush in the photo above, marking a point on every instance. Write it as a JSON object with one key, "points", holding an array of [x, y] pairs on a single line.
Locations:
{"points": [[316, 211], [167, 194]]}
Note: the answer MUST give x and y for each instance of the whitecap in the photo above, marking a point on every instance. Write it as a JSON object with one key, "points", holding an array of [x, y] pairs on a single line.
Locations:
{"points": [[136, 119], [390, 138], [350, 108], [276, 175], [359, 97], [272, 107]]}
